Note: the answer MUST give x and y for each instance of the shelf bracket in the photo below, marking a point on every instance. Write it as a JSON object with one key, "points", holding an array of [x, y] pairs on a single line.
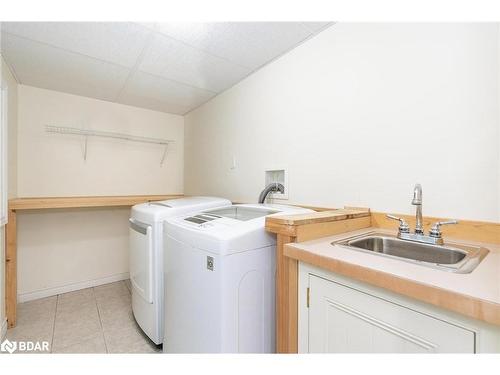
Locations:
{"points": [[164, 155], [85, 148]]}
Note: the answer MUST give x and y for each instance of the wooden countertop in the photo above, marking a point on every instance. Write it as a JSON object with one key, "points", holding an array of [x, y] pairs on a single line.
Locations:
{"points": [[318, 217], [83, 202], [476, 295], [317, 224]]}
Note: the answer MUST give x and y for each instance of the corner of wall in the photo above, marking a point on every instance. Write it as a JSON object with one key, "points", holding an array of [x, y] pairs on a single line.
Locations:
{"points": [[8, 79], [498, 119], [12, 84]]}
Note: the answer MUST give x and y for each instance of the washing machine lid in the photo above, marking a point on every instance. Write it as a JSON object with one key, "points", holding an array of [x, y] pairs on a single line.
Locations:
{"points": [[152, 212], [241, 212], [228, 230]]}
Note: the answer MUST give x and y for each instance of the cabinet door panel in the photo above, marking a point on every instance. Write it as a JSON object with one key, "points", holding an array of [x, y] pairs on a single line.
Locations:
{"points": [[346, 320]]}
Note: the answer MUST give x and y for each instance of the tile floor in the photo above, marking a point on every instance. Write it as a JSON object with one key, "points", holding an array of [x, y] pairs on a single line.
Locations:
{"points": [[93, 320]]}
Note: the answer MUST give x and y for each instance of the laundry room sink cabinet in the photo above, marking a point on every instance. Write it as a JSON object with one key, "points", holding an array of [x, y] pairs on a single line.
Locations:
{"points": [[341, 315]]}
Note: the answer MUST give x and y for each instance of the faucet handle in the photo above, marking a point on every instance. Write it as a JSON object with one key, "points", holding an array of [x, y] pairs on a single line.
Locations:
{"points": [[436, 228], [403, 225]]}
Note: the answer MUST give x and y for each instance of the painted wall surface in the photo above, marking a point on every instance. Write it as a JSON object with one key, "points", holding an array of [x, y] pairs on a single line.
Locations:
{"points": [[53, 164], [8, 81], [357, 115], [62, 248], [11, 83]]}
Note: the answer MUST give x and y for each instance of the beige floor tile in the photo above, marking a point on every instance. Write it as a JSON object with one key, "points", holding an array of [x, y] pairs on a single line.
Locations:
{"points": [[115, 319], [93, 344], [76, 301], [103, 292], [129, 340], [87, 312], [92, 320], [73, 327], [42, 304], [116, 312], [73, 307], [78, 295], [33, 332], [38, 311], [115, 302], [35, 321]]}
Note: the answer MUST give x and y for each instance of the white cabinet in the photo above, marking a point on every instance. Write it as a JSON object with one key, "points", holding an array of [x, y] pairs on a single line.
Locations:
{"points": [[345, 320], [341, 315]]}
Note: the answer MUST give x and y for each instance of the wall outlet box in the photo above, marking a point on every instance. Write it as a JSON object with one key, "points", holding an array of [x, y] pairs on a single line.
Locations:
{"points": [[280, 176]]}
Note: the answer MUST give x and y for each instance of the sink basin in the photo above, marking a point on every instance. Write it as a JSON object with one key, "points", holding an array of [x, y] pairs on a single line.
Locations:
{"points": [[456, 258]]}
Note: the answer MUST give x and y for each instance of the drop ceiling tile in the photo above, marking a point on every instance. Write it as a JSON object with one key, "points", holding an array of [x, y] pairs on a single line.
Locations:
{"points": [[145, 90], [52, 68], [172, 59], [249, 44], [188, 63], [117, 42]]}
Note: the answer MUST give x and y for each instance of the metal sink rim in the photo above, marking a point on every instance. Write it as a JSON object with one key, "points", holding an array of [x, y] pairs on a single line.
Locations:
{"points": [[473, 254]]}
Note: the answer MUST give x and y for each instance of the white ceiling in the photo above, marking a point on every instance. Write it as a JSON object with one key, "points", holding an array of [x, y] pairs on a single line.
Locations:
{"points": [[169, 67]]}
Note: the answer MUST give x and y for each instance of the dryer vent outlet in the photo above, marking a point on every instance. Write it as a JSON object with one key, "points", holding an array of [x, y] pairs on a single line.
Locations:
{"points": [[280, 176]]}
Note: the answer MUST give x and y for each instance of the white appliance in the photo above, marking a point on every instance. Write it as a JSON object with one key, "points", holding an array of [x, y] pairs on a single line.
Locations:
{"points": [[146, 256], [220, 280]]}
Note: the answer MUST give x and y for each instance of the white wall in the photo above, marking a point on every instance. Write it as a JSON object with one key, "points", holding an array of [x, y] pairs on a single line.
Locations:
{"points": [[12, 86], [53, 165], [357, 115], [62, 248], [8, 81], [498, 98]]}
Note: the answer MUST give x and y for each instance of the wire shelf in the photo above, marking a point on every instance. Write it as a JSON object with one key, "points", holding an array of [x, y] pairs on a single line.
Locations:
{"points": [[104, 134]]}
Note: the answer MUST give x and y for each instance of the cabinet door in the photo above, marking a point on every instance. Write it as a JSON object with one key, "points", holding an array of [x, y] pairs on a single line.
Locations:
{"points": [[346, 320]]}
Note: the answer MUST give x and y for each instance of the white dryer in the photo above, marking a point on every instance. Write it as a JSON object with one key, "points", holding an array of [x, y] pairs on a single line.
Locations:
{"points": [[220, 280], [146, 256]]}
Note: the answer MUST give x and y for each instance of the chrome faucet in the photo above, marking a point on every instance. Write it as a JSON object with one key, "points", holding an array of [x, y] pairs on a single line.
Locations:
{"points": [[435, 235], [417, 201]]}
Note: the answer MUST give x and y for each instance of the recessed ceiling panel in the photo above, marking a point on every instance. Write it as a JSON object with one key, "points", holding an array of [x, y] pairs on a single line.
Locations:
{"points": [[47, 67], [117, 42], [249, 44], [169, 67], [162, 95], [172, 59]]}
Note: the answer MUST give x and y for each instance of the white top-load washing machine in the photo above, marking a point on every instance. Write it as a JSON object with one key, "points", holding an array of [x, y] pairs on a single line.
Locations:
{"points": [[146, 256], [220, 280]]}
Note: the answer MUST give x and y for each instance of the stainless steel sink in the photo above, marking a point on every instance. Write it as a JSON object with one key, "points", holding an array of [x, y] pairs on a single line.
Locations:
{"points": [[456, 258]]}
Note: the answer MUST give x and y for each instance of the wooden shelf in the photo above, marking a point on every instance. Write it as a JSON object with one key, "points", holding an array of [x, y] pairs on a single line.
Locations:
{"points": [[83, 202], [43, 203]]}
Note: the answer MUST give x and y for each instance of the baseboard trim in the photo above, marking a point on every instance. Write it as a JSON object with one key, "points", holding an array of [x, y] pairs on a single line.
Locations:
{"points": [[30, 296], [3, 330]]}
